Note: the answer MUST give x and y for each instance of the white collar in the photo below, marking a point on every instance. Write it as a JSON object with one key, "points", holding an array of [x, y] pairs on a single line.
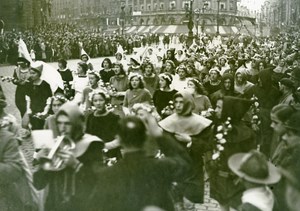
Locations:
{"points": [[261, 197]]}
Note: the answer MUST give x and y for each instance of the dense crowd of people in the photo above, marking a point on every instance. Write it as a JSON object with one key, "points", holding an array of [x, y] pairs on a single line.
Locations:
{"points": [[53, 41], [144, 131]]}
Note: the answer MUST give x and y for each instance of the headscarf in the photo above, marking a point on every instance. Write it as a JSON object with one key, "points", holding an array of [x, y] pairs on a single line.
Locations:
{"points": [[188, 102], [186, 122], [235, 108], [76, 118]]}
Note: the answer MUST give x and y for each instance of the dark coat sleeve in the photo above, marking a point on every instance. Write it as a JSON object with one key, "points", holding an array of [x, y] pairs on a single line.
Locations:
{"points": [[10, 167]]}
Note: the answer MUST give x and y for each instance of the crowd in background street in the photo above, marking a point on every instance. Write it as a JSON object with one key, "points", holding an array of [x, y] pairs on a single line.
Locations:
{"points": [[228, 108]]}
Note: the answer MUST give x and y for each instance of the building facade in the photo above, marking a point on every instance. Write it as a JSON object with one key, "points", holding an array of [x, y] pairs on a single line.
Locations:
{"points": [[112, 13]]}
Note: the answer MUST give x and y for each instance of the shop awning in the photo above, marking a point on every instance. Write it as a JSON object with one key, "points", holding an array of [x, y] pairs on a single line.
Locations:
{"points": [[183, 29]]}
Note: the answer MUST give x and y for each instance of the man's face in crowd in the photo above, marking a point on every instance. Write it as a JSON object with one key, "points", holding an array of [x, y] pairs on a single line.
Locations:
{"points": [[64, 125], [179, 105], [227, 84]]}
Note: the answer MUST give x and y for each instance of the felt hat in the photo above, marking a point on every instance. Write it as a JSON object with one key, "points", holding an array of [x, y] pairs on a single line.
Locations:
{"points": [[254, 167], [288, 83]]}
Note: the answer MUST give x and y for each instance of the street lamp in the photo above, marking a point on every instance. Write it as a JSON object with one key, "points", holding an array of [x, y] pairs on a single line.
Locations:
{"points": [[122, 17], [218, 11], [190, 24]]}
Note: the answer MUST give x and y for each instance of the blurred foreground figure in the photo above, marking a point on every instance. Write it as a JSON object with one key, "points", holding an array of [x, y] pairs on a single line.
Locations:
{"points": [[80, 155], [255, 174], [139, 181]]}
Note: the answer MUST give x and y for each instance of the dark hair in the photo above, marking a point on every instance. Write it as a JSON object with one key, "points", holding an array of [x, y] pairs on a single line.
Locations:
{"points": [[199, 88], [141, 84], [102, 94], [84, 66], [132, 132], [63, 62], [148, 64], [109, 62], [122, 71]]}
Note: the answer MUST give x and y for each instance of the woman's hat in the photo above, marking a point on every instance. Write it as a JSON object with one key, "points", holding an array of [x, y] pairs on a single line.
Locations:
{"points": [[23, 60], [254, 167], [135, 60], [37, 67]]}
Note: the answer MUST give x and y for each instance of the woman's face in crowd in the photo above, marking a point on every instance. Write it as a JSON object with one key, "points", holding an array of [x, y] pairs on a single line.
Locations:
{"points": [[119, 57], [191, 87], [169, 54], [93, 80], [135, 82], [56, 104], [277, 125], [117, 69], [60, 66], [227, 84], [79, 69], [98, 102], [168, 67], [105, 64], [84, 58], [239, 78], [181, 73], [64, 125], [213, 75], [34, 75], [178, 104], [148, 70], [162, 83], [261, 66], [219, 108]]}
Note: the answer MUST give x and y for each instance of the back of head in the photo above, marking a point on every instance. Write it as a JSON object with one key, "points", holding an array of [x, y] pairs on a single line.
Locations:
{"points": [[132, 132]]}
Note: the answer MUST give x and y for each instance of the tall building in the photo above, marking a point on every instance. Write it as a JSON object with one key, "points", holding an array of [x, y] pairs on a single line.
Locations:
{"points": [[24, 14]]}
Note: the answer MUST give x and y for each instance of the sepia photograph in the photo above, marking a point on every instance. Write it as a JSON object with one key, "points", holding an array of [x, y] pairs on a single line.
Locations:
{"points": [[149, 105]]}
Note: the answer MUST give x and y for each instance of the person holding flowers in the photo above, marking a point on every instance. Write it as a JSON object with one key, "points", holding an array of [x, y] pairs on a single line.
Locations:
{"points": [[232, 135]]}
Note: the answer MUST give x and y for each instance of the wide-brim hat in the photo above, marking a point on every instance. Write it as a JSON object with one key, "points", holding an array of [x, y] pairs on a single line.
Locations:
{"points": [[254, 167]]}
